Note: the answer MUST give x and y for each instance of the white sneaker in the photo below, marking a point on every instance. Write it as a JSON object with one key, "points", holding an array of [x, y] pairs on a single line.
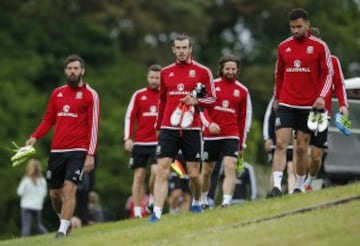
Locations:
{"points": [[312, 121], [323, 122], [176, 115], [188, 116]]}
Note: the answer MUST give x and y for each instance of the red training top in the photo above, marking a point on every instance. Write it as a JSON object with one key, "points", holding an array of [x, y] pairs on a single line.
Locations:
{"points": [[142, 112], [232, 111], [303, 72], [176, 81], [74, 112]]}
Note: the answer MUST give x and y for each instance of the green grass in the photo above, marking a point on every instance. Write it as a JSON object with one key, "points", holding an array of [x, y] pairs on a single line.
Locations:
{"points": [[324, 225]]}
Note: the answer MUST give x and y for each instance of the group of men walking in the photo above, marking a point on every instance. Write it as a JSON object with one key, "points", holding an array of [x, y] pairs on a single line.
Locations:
{"points": [[192, 110], [183, 108]]}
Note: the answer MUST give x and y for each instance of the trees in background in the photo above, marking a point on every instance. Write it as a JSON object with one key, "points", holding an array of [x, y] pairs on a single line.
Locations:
{"points": [[118, 40]]}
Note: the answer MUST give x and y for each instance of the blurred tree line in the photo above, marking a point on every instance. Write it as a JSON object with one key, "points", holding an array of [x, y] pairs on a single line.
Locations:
{"points": [[118, 40]]}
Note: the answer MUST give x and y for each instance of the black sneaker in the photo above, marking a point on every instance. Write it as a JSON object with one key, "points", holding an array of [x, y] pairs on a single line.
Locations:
{"points": [[297, 190], [224, 205], [59, 234], [275, 192]]}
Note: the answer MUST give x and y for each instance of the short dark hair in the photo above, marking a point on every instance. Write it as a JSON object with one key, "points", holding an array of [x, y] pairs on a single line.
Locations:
{"points": [[155, 68], [181, 37], [298, 13], [74, 57], [227, 58]]}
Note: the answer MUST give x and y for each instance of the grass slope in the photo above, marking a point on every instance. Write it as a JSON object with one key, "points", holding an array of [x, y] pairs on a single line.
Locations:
{"points": [[237, 225]]}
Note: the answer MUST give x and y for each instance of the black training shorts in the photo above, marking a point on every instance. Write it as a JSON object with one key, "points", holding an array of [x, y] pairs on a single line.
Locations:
{"points": [[294, 118], [65, 166], [142, 155], [171, 141], [216, 149], [319, 139]]}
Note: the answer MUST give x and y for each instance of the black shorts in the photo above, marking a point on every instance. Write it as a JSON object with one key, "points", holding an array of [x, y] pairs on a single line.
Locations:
{"points": [[171, 141], [319, 139], [65, 166], [216, 149], [142, 155], [289, 155], [294, 118], [177, 183]]}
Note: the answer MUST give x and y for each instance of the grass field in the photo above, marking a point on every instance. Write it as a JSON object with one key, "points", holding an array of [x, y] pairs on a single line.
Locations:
{"points": [[327, 217]]}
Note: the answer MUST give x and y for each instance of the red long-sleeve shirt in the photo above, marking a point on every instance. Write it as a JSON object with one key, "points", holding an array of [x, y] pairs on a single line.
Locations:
{"points": [[176, 81], [142, 112], [74, 112], [232, 111], [338, 86], [303, 72]]}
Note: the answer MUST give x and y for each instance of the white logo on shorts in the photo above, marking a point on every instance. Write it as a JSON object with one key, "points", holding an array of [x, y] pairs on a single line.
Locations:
{"points": [[158, 150], [277, 122]]}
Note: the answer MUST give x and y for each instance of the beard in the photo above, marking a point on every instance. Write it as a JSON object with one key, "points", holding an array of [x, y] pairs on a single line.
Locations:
{"points": [[73, 81], [154, 86], [298, 36], [182, 58], [230, 76]]}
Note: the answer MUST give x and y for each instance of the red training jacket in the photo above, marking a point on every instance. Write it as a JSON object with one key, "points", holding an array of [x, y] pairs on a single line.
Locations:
{"points": [[303, 72], [142, 112], [74, 112], [338, 86], [176, 81], [232, 111]]}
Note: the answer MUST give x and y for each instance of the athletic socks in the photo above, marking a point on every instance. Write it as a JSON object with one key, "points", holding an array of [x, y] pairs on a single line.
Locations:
{"points": [[299, 184], [204, 199], [309, 180], [196, 203], [277, 178], [226, 199], [64, 225], [157, 212], [137, 212]]}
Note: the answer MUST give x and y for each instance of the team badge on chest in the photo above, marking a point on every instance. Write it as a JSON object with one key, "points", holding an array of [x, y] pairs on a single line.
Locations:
{"points": [[310, 50], [236, 93], [192, 73], [79, 95]]}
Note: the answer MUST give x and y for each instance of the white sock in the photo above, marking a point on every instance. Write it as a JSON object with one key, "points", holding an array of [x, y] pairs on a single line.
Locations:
{"points": [[299, 184], [137, 212], [226, 199], [196, 203], [157, 211], [277, 178], [309, 180], [204, 199], [64, 225]]}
